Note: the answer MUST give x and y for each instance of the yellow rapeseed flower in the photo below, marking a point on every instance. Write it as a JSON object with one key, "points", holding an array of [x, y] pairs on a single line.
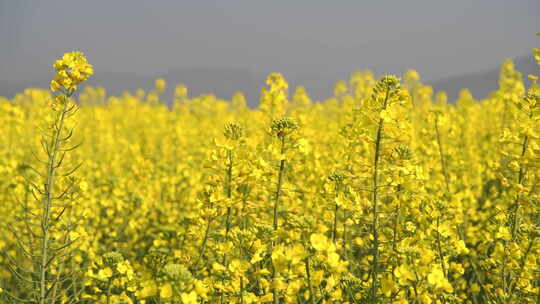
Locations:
{"points": [[71, 70]]}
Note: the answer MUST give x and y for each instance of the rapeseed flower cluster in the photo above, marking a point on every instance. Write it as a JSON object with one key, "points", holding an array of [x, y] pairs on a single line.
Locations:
{"points": [[71, 70]]}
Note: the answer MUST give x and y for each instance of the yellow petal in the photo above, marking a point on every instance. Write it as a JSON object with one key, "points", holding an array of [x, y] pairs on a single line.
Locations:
{"points": [[166, 291]]}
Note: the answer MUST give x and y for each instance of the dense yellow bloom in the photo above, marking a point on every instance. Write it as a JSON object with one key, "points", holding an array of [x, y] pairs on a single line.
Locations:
{"points": [[71, 70], [166, 291], [276, 82], [149, 288], [437, 279], [211, 201], [104, 274], [189, 298], [319, 241], [274, 99]]}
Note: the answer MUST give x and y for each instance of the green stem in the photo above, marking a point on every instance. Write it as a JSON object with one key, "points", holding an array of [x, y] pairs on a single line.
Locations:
{"points": [[439, 248], [395, 235], [279, 184], [521, 177], [310, 286], [229, 192], [334, 228], [336, 210], [447, 184], [242, 290], [203, 245], [48, 199], [521, 267], [375, 224], [441, 155], [228, 216], [109, 288], [275, 220]]}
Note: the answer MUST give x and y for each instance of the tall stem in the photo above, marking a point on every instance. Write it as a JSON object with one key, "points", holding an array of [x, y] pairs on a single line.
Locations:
{"points": [[375, 224], [521, 177], [228, 189], [203, 245], [395, 234], [441, 156], [336, 209], [310, 285], [52, 165], [447, 184], [279, 184], [439, 247], [229, 192], [276, 204]]}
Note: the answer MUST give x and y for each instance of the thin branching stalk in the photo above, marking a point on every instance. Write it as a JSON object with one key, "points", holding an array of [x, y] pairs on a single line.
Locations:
{"points": [[441, 156], [310, 285], [241, 289], [277, 195], [395, 232], [375, 207], [47, 202], [275, 213], [109, 290], [520, 179], [444, 166], [202, 248], [228, 190], [337, 183], [506, 276], [439, 247], [334, 226], [522, 263]]}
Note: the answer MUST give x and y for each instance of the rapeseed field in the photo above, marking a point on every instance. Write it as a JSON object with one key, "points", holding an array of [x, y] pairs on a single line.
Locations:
{"points": [[384, 193]]}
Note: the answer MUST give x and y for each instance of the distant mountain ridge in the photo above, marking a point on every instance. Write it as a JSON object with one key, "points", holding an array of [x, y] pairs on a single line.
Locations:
{"points": [[224, 82], [481, 84]]}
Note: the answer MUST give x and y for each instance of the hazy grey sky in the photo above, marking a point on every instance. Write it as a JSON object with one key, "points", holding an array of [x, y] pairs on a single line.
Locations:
{"points": [[438, 38]]}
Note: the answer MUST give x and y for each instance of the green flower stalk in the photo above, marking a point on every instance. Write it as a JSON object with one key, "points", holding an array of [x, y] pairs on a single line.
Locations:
{"points": [[233, 132], [385, 91], [338, 180], [72, 70], [50, 245], [281, 128]]}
